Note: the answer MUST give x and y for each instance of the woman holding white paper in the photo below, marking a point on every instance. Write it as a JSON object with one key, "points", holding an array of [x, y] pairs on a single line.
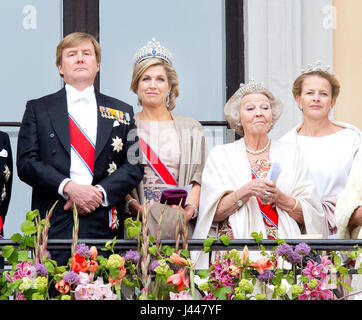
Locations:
{"points": [[236, 198], [173, 146]]}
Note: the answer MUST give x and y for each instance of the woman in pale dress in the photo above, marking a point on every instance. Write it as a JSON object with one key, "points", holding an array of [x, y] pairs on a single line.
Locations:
{"points": [[328, 146], [236, 198], [348, 215], [176, 140]]}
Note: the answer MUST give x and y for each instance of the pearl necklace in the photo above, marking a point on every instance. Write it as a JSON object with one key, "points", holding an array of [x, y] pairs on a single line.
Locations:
{"points": [[258, 151]]}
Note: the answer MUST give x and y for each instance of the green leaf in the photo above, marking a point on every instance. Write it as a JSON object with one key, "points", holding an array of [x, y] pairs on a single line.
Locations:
{"points": [[221, 293], [152, 250], [23, 255], [133, 232], [208, 243], [185, 253], [225, 240], [113, 272], [16, 237], [257, 236], [7, 251], [167, 250], [28, 227], [30, 215], [337, 260], [203, 274]]}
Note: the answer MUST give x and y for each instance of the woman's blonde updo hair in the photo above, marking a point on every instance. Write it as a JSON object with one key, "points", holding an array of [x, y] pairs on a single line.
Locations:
{"points": [[232, 107], [172, 78]]}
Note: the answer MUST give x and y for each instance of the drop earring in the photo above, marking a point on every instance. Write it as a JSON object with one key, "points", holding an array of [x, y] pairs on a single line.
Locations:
{"points": [[168, 100]]}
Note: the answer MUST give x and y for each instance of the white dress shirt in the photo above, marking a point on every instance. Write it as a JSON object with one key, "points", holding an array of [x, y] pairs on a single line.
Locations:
{"points": [[82, 106]]}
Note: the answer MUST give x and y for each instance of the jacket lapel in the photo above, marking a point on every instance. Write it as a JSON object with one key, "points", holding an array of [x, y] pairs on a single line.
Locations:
{"points": [[104, 127], [58, 113]]}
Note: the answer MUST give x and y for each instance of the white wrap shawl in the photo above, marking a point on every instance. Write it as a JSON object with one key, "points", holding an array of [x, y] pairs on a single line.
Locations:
{"points": [[227, 169]]}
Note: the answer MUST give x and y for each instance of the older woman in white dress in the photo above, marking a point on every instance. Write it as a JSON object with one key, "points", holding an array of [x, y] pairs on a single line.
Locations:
{"points": [[328, 146], [236, 198]]}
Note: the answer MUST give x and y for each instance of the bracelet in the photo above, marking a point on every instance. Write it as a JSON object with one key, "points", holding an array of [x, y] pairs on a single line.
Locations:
{"points": [[128, 202], [196, 210], [295, 206]]}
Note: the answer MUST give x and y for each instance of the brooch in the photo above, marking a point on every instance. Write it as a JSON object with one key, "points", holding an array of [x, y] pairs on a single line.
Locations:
{"points": [[117, 144], [112, 168]]}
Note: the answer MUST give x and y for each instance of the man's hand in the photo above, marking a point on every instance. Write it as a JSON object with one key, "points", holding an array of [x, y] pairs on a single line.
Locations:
{"points": [[87, 198]]}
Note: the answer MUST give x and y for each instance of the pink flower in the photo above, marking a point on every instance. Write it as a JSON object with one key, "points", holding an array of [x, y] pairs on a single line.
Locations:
{"points": [[234, 270], [178, 279], [183, 295], [85, 278], [24, 270], [313, 269], [62, 286]]}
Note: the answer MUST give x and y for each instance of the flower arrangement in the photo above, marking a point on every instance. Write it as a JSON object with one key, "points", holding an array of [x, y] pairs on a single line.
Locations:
{"points": [[274, 275], [160, 272]]}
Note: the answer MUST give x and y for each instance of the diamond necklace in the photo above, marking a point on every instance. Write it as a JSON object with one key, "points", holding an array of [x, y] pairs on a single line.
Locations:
{"points": [[258, 151]]}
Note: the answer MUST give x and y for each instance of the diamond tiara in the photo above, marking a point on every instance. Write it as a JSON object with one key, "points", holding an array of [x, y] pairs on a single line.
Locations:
{"points": [[153, 49], [249, 87], [317, 67]]}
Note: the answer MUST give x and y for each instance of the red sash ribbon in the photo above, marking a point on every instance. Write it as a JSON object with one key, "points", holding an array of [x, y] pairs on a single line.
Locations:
{"points": [[81, 144], [85, 150], [269, 213], [156, 163]]}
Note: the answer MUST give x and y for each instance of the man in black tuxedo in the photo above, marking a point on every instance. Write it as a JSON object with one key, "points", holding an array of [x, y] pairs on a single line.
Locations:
{"points": [[78, 146]]}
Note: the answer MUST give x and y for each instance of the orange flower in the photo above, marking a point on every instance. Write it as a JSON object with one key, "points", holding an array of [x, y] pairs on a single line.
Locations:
{"points": [[262, 264], [92, 265], [178, 259], [178, 279], [62, 286], [78, 263], [94, 252]]}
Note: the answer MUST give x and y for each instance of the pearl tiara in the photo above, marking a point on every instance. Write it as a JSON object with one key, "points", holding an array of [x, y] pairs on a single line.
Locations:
{"points": [[249, 87], [153, 49], [317, 67]]}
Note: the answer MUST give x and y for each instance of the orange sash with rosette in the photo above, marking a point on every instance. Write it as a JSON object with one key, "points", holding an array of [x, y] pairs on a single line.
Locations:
{"points": [[270, 215]]}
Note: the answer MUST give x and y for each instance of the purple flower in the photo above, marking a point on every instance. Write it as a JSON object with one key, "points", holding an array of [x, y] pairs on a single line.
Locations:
{"points": [[284, 250], [83, 250], [266, 277], [40, 269], [131, 255], [302, 249], [294, 257], [154, 265], [71, 277]]}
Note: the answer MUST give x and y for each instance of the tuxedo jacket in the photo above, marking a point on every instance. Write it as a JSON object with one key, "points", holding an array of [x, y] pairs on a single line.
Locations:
{"points": [[6, 175], [43, 162]]}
